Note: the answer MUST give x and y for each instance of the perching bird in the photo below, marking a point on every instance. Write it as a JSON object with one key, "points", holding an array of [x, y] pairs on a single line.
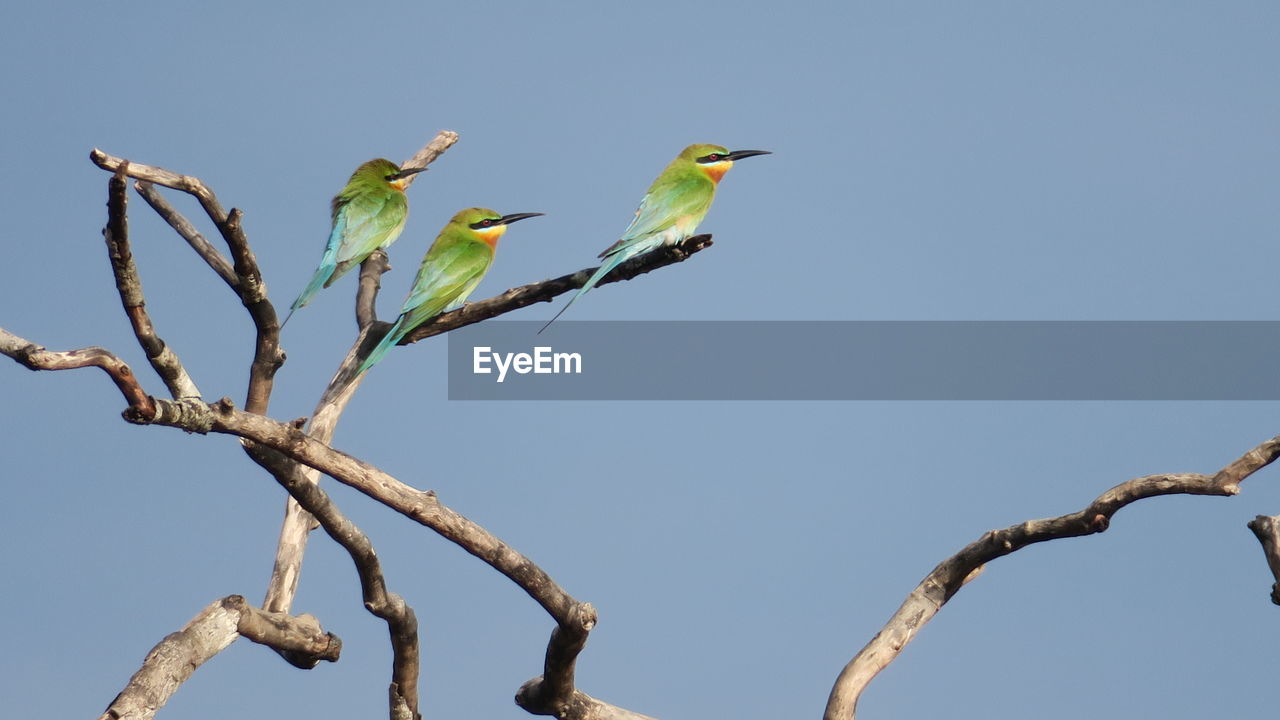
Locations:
{"points": [[368, 214], [457, 260], [672, 208]]}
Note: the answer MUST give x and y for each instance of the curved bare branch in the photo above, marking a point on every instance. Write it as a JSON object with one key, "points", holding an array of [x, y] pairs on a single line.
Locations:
{"points": [[953, 573], [35, 357], [418, 505]]}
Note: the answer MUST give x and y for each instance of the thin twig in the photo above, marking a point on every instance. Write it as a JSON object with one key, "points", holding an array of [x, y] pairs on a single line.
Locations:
{"points": [[267, 356], [160, 355], [428, 153], [183, 227], [35, 357], [160, 176], [953, 573]]}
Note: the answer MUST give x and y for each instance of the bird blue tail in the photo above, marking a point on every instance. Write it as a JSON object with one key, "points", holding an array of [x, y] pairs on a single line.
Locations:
{"points": [[317, 281], [600, 272], [388, 341]]}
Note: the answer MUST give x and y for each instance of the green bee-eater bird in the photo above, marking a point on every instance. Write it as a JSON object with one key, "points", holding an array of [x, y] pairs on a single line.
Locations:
{"points": [[671, 210], [453, 266], [368, 214]]}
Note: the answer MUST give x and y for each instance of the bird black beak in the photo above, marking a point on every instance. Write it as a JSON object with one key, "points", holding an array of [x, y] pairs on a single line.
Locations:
{"points": [[739, 154], [402, 174], [515, 217]]}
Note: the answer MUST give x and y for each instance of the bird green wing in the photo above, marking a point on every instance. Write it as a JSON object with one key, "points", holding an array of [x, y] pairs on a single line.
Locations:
{"points": [[371, 220], [668, 200], [446, 277]]}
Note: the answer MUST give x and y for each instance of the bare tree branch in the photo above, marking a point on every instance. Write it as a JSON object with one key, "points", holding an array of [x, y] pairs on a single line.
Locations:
{"points": [[172, 661], [162, 358], [547, 290], [186, 183], [184, 228], [35, 357], [580, 707], [1267, 529], [402, 623], [428, 153], [277, 630], [949, 576], [553, 693], [267, 357], [292, 545], [418, 505], [371, 271]]}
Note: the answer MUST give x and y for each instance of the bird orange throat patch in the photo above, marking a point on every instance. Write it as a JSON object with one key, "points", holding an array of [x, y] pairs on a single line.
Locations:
{"points": [[715, 171], [490, 235]]}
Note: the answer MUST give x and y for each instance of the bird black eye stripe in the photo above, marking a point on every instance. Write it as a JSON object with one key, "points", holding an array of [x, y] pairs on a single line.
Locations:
{"points": [[712, 158], [487, 222]]}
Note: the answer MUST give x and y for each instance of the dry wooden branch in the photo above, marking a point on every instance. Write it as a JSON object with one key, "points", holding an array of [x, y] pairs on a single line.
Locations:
{"points": [[248, 285], [188, 232], [267, 355], [428, 153], [186, 183], [162, 358], [371, 271], [580, 707], [421, 506], [244, 277], [1267, 529], [547, 290], [179, 654], [402, 623], [553, 693], [35, 357], [953, 573]]}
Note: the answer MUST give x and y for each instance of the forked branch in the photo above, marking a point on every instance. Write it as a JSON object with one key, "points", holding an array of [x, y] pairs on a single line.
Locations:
{"points": [[402, 623], [172, 661]]}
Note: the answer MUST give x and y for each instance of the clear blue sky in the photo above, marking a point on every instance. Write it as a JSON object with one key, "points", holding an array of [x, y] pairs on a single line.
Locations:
{"points": [[995, 160]]}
